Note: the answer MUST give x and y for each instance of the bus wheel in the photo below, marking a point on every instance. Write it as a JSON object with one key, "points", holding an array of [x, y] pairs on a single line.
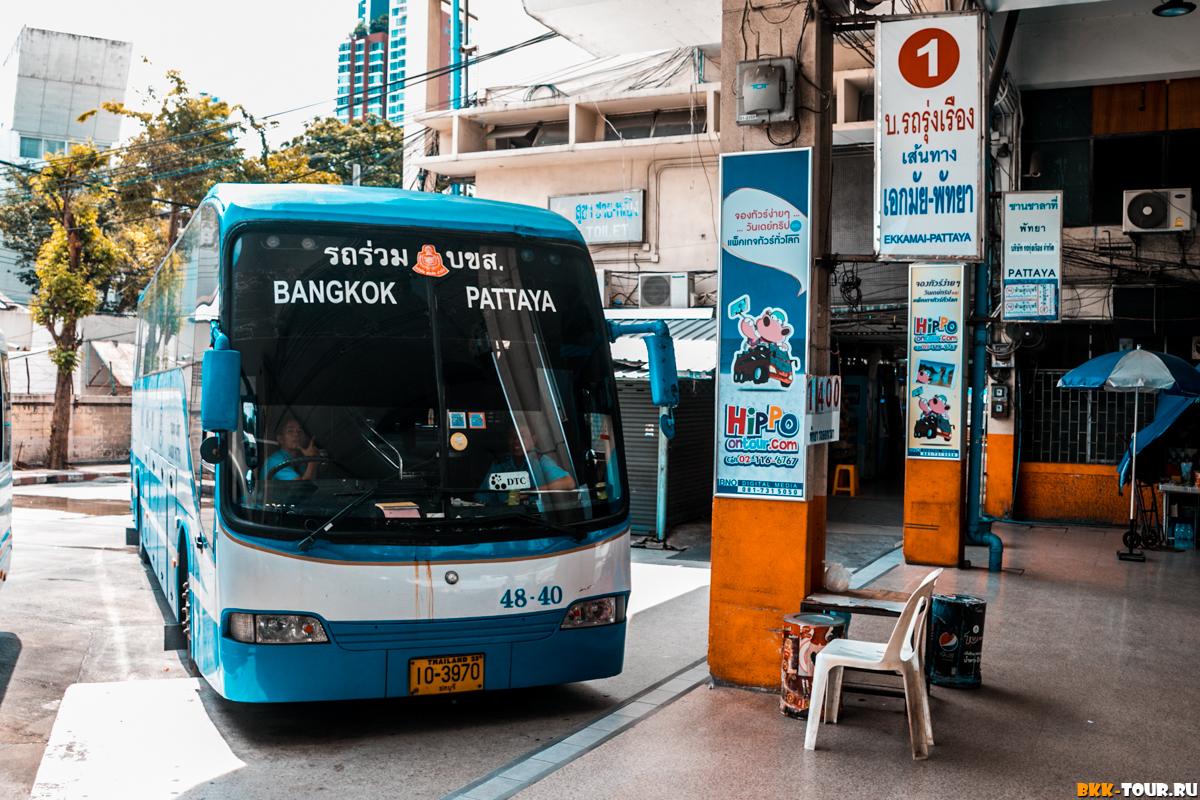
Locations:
{"points": [[185, 605]]}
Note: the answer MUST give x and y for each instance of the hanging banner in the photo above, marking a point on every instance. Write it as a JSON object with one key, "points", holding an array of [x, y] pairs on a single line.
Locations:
{"points": [[1032, 260], [929, 127], [765, 274], [936, 347], [824, 408]]}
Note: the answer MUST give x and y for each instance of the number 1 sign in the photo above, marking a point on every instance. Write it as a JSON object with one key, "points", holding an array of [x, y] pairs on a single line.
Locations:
{"points": [[929, 127]]}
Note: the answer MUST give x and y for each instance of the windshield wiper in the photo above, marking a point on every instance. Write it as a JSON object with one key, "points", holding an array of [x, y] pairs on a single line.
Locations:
{"points": [[307, 541]]}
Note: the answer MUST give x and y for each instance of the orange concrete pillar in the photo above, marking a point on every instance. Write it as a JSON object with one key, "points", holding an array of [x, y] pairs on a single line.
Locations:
{"points": [[766, 556], [933, 512], [998, 484]]}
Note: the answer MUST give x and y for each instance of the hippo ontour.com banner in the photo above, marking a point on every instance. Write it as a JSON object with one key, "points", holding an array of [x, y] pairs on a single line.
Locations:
{"points": [[936, 331], [766, 269]]}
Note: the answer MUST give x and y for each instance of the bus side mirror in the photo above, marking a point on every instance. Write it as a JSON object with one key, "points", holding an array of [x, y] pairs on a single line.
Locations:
{"points": [[664, 381], [221, 372]]}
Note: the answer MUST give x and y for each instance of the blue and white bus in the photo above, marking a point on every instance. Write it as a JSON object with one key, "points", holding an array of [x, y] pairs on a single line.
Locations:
{"points": [[6, 465], [376, 447]]}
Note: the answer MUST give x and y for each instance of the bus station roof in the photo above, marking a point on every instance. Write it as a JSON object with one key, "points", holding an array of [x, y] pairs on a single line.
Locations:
{"points": [[242, 202]]}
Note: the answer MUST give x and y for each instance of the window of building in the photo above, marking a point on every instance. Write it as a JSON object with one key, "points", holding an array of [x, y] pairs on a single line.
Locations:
{"points": [[344, 68], [646, 124], [55, 146], [30, 147]]}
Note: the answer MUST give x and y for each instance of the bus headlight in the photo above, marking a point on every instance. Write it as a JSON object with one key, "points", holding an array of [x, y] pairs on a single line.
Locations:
{"points": [[597, 611], [276, 629]]}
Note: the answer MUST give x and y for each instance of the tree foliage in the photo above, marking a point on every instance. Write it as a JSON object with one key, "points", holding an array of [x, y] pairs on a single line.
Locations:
{"points": [[185, 146], [333, 146], [379, 24], [288, 165]]}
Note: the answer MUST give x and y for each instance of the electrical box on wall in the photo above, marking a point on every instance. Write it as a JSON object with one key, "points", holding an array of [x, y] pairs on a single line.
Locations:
{"points": [[1000, 401], [766, 91]]}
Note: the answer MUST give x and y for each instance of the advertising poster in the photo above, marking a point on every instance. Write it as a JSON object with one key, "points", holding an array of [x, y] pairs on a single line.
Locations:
{"points": [[824, 408], [936, 350], [762, 359], [1032, 260], [928, 134]]}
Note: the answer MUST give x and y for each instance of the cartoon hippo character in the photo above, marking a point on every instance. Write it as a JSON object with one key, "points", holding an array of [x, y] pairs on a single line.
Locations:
{"points": [[938, 405], [770, 327]]}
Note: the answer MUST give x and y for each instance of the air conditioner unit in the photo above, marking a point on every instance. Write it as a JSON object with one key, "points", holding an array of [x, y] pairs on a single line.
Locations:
{"points": [[665, 290], [1158, 211]]}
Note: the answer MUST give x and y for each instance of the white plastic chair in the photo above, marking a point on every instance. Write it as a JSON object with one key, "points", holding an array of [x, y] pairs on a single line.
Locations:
{"points": [[901, 655]]}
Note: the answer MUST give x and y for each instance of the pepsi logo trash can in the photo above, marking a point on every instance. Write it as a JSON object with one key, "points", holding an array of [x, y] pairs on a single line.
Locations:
{"points": [[954, 647], [804, 635]]}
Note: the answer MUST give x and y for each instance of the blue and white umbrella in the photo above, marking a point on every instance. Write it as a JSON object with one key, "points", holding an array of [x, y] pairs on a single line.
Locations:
{"points": [[1138, 371]]}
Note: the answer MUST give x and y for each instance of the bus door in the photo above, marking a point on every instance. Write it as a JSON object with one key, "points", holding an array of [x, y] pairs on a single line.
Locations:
{"points": [[203, 557], [169, 511]]}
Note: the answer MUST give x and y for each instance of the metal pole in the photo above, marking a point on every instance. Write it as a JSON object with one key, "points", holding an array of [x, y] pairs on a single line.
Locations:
{"points": [[456, 32], [1133, 461], [356, 174], [660, 516]]}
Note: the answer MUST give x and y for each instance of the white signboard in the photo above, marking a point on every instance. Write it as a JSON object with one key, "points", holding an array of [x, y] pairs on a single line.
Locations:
{"points": [[824, 408], [929, 125], [1032, 258], [606, 218]]}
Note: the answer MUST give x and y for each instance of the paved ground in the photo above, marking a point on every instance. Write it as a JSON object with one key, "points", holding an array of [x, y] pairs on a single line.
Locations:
{"points": [[1089, 675]]}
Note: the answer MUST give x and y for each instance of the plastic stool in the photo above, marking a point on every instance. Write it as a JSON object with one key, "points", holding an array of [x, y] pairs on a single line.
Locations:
{"points": [[850, 487]]}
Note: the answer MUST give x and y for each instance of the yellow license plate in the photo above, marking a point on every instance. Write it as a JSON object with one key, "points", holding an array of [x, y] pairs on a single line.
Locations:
{"points": [[445, 674]]}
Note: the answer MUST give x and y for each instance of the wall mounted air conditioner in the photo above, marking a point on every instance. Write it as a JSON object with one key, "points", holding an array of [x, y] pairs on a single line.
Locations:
{"points": [[665, 290], [1158, 211]]}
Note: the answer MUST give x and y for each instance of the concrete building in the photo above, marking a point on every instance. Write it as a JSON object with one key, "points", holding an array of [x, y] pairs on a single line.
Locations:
{"points": [[371, 63], [47, 80]]}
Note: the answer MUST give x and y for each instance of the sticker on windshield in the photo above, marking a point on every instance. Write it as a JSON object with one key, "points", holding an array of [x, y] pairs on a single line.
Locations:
{"points": [[459, 441], [429, 263], [508, 481], [458, 420], [477, 420]]}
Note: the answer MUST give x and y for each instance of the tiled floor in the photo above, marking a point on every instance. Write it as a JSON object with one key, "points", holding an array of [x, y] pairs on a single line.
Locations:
{"points": [[1089, 671]]}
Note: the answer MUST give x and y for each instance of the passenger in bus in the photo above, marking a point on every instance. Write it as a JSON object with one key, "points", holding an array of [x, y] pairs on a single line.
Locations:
{"points": [[294, 445], [544, 472]]}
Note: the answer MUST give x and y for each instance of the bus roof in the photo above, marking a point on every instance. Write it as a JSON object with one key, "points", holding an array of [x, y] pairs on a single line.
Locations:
{"points": [[243, 202]]}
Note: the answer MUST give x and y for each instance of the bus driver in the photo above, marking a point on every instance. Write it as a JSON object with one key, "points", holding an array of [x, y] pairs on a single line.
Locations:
{"points": [[292, 438]]}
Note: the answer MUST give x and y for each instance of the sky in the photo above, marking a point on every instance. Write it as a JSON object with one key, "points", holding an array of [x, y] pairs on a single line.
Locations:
{"points": [[268, 55]]}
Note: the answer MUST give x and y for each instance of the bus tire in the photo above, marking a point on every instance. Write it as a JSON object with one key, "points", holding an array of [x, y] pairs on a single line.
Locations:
{"points": [[184, 588]]}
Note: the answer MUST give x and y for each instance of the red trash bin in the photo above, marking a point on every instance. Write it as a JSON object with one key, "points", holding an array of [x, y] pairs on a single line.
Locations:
{"points": [[804, 635]]}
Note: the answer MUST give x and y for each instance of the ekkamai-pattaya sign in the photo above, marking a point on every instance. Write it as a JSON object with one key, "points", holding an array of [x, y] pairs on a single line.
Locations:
{"points": [[929, 126]]}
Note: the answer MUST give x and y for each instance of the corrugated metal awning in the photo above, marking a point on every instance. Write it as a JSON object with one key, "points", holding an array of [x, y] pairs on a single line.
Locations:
{"points": [[695, 341]]}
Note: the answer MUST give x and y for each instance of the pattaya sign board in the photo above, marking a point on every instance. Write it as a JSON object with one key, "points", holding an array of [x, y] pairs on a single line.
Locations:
{"points": [[929, 126], [1032, 260], [762, 355], [604, 218], [936, 339], [824, 408]]}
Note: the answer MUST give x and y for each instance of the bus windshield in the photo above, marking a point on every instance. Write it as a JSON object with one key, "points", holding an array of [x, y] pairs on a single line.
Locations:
{"points": [[420, 381]]}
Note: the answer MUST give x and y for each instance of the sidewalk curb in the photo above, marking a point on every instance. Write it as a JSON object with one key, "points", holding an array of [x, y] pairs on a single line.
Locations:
{"points": [[63, 476]]}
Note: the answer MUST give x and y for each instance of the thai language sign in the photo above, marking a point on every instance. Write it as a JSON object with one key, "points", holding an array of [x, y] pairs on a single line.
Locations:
{"points": [[936, 339], [929, 123], [605, 218], [765, 273], [1032, 260], [824, 408]]}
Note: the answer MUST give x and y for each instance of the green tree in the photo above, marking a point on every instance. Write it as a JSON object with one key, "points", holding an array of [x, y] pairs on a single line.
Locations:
{"points": [[333, 146], [379, 24], [289, 165], [24, 223], [185, 146], [360, 31], [72, 266]]}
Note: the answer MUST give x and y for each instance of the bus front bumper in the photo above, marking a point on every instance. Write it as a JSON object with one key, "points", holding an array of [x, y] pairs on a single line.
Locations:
{"points": [[339, 670]]}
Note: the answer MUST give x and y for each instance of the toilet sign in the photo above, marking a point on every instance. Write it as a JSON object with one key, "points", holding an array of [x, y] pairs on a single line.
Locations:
{"points": [[929, 127]]}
